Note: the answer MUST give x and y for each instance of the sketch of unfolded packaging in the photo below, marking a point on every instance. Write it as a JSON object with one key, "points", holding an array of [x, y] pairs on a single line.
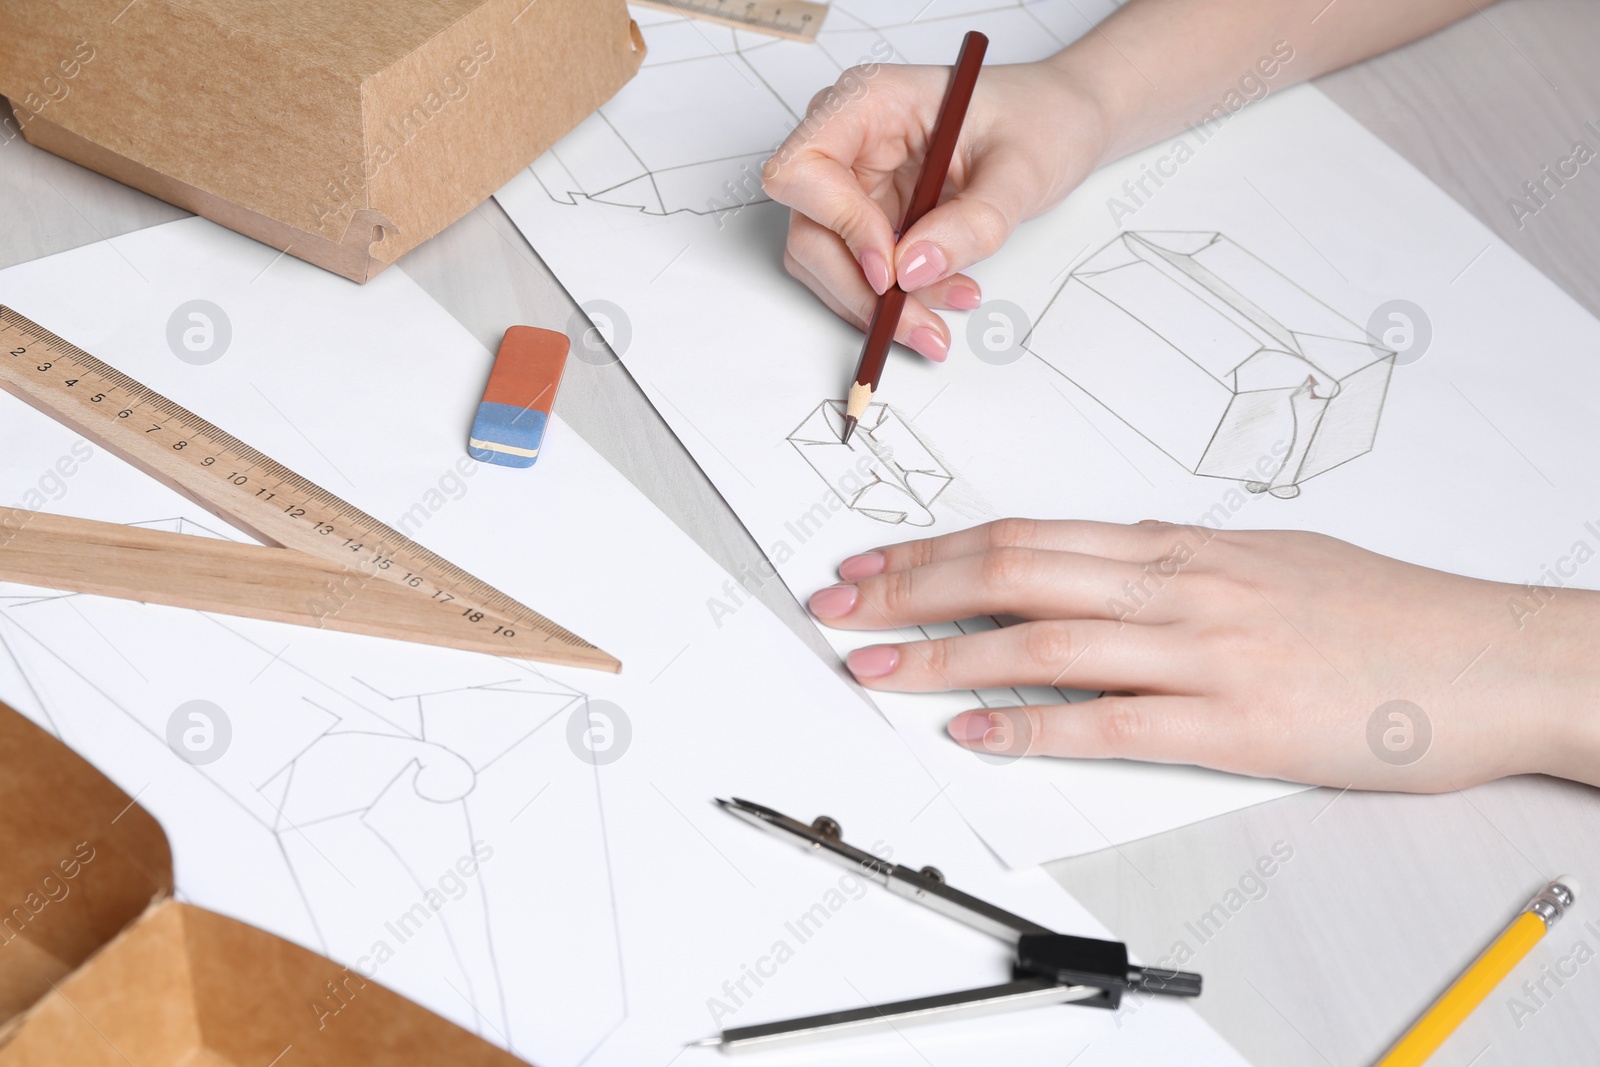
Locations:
{"points": [[885, 472], [1217, 359]]}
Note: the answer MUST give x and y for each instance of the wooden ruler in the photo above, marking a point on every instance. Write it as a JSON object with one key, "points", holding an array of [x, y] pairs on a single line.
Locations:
{"points": [[333, 565], [798, 20]]}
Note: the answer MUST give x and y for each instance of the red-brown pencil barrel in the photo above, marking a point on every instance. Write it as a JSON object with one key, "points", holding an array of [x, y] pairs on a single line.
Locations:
{"points": [[947, 130], [924, 198]]}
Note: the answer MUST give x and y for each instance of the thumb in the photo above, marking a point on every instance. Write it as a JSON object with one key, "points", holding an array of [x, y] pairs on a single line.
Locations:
{"points": [[970, 226]]}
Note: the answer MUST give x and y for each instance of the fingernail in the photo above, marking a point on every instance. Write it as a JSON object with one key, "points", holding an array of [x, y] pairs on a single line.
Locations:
{"points": [[923, 265], [970, 727], [863, 566], [876, 269], [964, 297], [926, 340], [833, 601], [874, 661]]}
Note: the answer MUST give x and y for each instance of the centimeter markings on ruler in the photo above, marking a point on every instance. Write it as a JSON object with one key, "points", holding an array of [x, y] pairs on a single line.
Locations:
{"points": [[796, 19], [253, 492]]}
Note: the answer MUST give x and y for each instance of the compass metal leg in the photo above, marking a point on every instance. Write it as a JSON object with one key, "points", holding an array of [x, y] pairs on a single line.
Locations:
{"points": [[990, 1000]]}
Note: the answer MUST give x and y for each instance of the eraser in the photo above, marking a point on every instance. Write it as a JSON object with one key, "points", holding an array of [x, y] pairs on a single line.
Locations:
{"points": [[517, 401]]}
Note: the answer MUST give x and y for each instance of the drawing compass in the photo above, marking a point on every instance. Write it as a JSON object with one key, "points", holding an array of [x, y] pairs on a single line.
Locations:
{"points": [[1049, 968]]}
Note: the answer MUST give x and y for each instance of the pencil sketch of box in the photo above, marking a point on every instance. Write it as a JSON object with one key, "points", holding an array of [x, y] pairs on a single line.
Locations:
{"points": [[885, 472], [1217, 359]]}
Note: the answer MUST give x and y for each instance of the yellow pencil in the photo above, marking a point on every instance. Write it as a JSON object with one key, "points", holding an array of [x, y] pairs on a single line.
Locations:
{"points": [[1479, 980]]}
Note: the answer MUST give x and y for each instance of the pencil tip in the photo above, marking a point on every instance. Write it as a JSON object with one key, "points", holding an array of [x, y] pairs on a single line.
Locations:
{"points": [[849, 428]]}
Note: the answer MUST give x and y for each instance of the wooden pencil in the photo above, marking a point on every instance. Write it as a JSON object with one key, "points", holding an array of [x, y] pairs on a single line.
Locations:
{"points": [[924, 198]]}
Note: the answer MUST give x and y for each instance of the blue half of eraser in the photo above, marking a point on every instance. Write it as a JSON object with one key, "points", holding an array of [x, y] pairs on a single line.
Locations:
{"points": [[506, 434]]}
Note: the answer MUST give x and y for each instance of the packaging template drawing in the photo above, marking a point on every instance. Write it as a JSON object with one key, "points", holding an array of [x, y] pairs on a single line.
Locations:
{"points": [[885, 472]]}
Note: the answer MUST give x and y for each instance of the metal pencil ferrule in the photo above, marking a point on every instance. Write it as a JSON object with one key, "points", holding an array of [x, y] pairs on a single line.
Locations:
{"points": [[1551, 902]]}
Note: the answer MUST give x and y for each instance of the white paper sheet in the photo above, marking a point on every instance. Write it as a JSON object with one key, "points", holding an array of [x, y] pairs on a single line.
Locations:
{"points": [[607, 901], [1259, 260]]}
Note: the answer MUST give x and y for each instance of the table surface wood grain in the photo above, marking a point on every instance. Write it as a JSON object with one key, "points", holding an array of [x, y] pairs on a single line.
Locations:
{"points": [[1383, 897]]}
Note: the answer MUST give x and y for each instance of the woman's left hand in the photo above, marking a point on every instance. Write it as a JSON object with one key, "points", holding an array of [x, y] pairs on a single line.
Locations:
{"points": [[1269, 653]]}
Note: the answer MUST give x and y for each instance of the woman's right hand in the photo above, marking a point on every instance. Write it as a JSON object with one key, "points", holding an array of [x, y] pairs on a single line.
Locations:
{"points": [[1031, 135]]}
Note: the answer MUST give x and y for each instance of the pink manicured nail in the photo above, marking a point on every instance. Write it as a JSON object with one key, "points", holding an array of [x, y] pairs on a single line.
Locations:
{"points": [[970, 727], [964, 297], [876, 269], [874, 661], [923, 265], [927, 341], [863, 566], [833, 601]]}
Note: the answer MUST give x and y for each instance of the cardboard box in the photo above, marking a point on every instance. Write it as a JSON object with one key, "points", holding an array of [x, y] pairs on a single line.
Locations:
{"points": [[346, 132], [1217, 359], [99, 967]]}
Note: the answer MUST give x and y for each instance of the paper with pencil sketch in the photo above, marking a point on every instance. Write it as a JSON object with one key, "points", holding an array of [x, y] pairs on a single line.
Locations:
{"points": [[530, 851], [884, 472], [1269, 321], [1215, 358]]}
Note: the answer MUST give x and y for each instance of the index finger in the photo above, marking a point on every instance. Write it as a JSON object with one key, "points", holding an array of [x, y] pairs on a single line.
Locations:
{"points": [[1139, 543]]}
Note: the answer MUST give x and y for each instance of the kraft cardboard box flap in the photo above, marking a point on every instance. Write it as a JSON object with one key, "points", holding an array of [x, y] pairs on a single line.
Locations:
{"points": [[81, 864], [345, 133], [101, 968]]}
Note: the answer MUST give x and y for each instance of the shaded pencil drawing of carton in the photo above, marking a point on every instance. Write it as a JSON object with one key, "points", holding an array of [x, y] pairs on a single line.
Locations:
{"points": [[885, 472], [1217, 359]]}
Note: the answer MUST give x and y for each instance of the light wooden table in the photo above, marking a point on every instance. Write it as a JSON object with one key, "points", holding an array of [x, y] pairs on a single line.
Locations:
{"points": [[1385, 897]]}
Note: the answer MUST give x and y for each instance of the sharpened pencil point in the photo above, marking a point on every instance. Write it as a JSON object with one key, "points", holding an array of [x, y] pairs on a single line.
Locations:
{"points": [[849, 428]]}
